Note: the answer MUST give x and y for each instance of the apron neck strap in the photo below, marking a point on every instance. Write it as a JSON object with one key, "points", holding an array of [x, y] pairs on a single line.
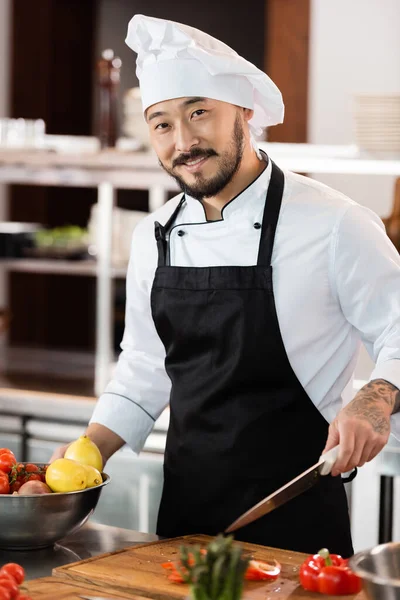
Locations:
{"points": [[272, 207], [160, 232]]}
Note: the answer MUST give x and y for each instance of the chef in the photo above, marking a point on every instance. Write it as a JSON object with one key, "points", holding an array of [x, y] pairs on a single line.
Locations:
{"points": [[248, 295]]}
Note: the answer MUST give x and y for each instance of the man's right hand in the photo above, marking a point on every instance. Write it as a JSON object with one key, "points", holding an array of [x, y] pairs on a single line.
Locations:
{"points": [[106, 440]]}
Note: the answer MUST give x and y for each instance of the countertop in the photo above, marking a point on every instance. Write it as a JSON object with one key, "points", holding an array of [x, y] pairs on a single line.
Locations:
{"points": [[92, 539]]}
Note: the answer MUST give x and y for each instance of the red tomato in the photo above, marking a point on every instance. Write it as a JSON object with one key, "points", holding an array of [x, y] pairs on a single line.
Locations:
{"points": [[5, 594], [10, 584], [24, 597], [31, 468], [34, 477], [14, 487], [6, 451], [14, 570], [7, 461], [4, 485]]}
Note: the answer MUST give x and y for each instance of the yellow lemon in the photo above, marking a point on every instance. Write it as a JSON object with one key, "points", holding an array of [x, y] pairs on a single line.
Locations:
{"points": [[65, 475], [85, 452], [93, 476]]}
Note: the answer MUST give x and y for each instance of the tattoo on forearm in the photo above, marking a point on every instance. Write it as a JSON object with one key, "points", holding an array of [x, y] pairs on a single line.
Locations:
{"points": [[380, 389], [367, 404]]}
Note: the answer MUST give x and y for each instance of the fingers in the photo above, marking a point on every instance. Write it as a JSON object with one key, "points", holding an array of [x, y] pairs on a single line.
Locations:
{"points": [[58, 453], [333, 438], [357, 446], [347, 449]]}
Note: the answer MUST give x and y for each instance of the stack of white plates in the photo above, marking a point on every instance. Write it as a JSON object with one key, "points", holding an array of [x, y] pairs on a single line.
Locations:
{"points": [[377, 123]]}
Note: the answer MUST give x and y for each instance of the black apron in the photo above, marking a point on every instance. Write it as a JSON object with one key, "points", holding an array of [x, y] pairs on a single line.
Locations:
{"points": [[241, 424]]}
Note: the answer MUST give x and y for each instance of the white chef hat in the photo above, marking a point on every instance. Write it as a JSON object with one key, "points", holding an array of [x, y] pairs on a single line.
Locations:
{"points": [[177, 61]]}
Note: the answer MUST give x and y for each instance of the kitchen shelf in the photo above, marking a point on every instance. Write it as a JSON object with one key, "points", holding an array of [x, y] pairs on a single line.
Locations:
{"points": [[109, 170], [58, 267]]}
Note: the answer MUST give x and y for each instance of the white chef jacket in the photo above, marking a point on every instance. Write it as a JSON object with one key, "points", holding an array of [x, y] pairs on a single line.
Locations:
{"points": [[336, 279]]}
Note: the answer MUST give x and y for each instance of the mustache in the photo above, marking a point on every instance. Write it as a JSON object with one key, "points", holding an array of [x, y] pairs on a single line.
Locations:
{"points": [[195, 153]]}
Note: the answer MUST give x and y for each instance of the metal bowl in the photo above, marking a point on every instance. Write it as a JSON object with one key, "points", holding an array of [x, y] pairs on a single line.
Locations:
{"points": [[40, 520], [379, 569]]}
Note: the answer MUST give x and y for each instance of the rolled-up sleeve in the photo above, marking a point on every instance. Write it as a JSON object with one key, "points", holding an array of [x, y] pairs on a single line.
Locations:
{"points": [[140, 388], [367, 276]]}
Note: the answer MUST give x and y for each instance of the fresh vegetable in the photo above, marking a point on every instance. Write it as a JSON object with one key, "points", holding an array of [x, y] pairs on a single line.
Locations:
{"points": [[34, 487], [5, 594], [85, 452], [4, 484], [7, 461], [21, 473], [12, 576], [13, 570], [256, 570], [66, 475], [213, 573], [262, 571], [329, 574], [6, 451], [15, 475], [9, 584]]}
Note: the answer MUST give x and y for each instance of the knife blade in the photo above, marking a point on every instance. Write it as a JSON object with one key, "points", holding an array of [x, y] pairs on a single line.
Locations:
{"points": [[290, 490]]}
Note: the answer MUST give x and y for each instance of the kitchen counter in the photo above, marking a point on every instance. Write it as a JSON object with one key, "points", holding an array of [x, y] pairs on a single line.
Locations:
{"points": [[92, 539]]}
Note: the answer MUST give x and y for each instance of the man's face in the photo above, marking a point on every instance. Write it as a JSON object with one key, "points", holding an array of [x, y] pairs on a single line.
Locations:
{"points": [[198, 141]]}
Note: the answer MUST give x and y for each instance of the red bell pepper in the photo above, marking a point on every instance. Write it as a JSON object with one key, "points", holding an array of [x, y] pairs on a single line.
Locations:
{"points": [[262, 571], [329, 574]]}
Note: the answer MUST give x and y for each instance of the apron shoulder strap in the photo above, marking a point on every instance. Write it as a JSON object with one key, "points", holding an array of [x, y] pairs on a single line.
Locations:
{"points": [[272, 208], [160, 233]]}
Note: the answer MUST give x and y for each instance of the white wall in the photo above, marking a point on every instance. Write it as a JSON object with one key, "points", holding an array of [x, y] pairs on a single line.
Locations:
{"points": [[354, 48], [5, 14]]}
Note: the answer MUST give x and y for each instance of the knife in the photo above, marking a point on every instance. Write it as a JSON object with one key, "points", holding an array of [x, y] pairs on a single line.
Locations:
{"points": [[290, 490]]}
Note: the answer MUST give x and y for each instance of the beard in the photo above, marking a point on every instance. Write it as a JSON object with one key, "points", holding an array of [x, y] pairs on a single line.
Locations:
{"points": [[228, 163]]}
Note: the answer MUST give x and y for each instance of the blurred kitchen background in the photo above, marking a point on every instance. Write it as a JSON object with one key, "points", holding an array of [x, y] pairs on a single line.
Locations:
{"points": [[76, 175]]}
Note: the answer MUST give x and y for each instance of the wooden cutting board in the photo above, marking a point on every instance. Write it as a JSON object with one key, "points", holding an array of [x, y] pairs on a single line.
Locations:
{"points": [[50, 588], [138, 570]]}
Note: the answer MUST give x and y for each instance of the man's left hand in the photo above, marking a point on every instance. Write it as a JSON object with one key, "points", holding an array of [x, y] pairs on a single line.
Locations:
{"points": [[362, 427]]}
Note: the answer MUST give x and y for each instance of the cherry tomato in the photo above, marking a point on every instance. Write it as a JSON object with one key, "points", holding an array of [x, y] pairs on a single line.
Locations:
{"points": [[4, 485], [7, 461], [34, 477], [14, 487], [5, 594], [10, 584], [31, 468], [14, 570]]}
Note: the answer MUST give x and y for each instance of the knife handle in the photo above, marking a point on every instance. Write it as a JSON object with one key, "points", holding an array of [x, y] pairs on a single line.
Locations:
{"points": [[330, 458]]}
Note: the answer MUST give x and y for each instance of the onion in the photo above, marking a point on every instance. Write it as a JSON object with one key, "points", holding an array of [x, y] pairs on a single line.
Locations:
{"points": [[34, 487]]}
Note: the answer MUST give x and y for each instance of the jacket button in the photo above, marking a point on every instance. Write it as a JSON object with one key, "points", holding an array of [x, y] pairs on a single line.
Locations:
{"points": [[257, 226], [181, 233]]}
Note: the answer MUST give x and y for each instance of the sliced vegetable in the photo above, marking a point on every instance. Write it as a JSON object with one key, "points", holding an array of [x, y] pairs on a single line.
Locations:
{"points": [[262, 571], [257, 570], [329, 574]]}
